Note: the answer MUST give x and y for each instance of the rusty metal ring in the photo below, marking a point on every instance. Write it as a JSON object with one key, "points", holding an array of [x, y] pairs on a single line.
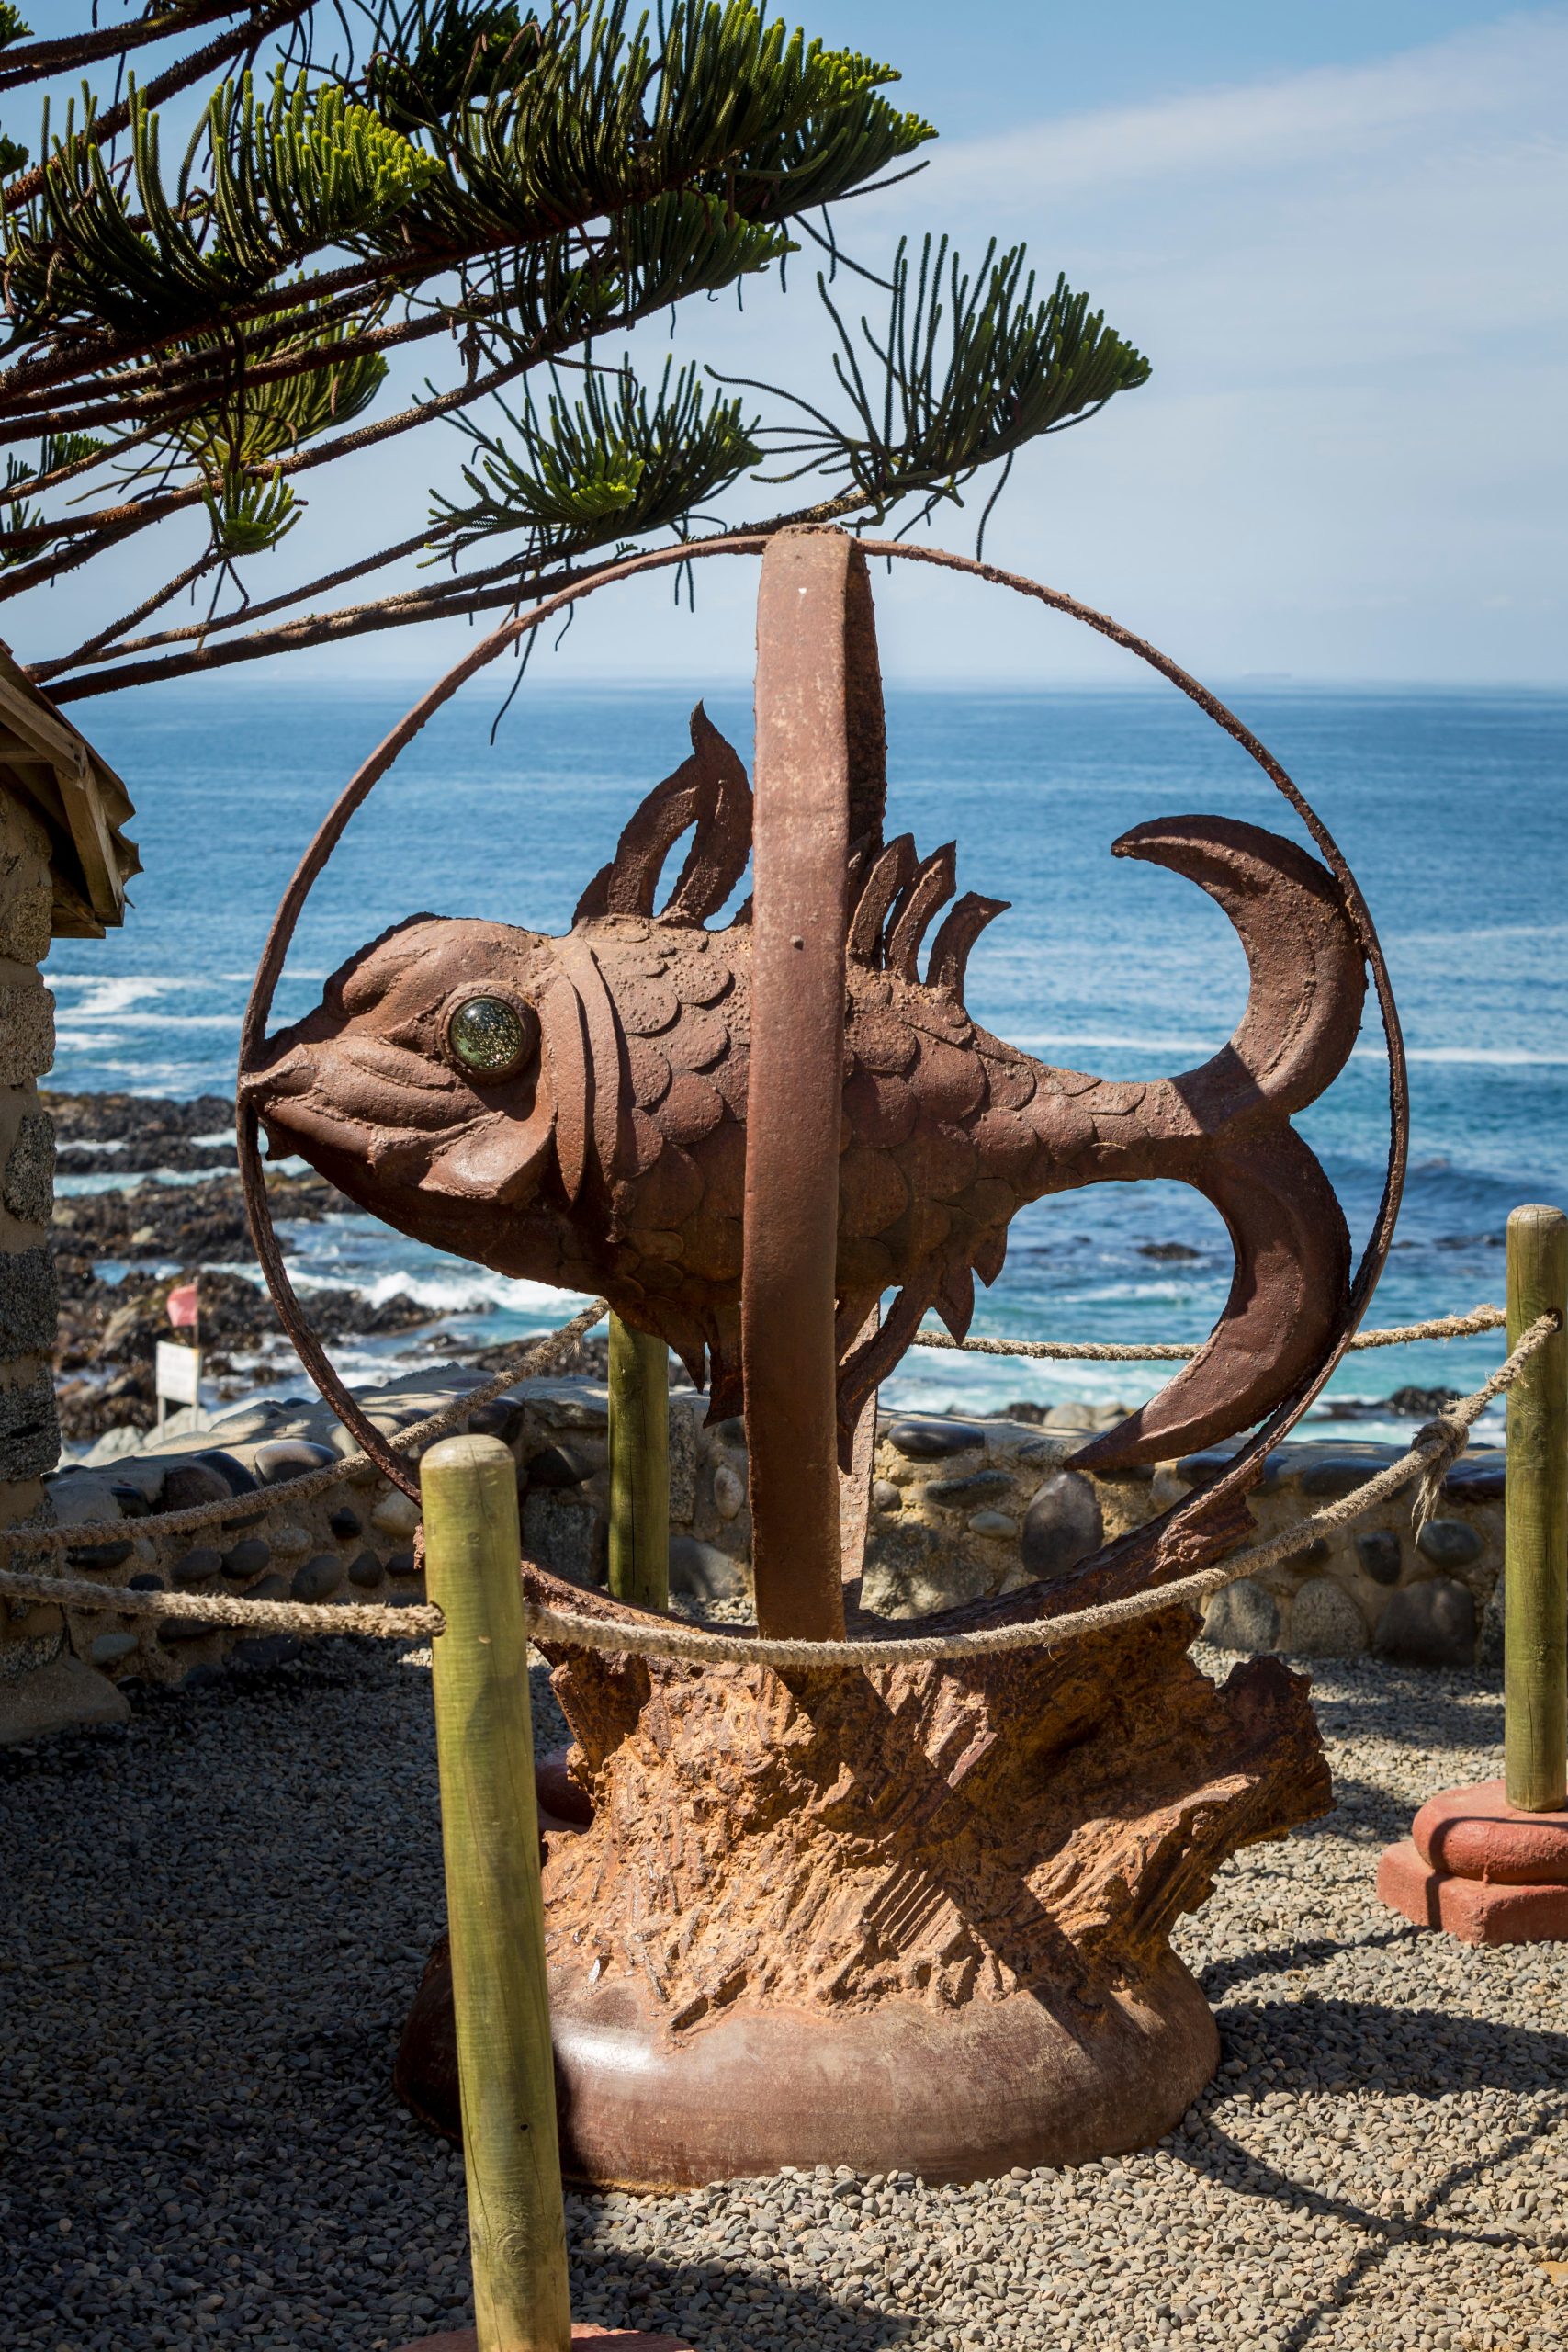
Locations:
{"points": [[1244, 1468]]}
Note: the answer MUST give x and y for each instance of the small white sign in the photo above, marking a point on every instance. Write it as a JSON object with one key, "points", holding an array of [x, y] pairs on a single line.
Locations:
{"points": [[176, 1373]]}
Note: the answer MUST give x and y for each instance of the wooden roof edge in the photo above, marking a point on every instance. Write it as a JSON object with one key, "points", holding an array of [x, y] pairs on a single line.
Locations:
{"points": [[93, 807]]}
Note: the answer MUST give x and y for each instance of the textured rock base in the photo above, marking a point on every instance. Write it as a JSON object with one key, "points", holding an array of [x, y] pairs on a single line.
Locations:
{"points": [[909, 1918]]}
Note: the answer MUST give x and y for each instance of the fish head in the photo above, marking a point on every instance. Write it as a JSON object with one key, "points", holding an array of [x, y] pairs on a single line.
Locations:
{"points": [[420, 1085]]}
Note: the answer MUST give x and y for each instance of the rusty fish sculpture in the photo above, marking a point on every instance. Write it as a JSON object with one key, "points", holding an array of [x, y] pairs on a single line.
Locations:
{"points": [[573, 1109]]}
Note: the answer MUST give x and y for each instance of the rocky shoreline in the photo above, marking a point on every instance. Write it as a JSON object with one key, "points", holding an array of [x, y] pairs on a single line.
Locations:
{"points": [[157, 1235]]}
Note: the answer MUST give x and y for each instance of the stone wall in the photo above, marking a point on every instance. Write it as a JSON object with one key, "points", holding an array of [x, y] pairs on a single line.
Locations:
{"points": [[36, 1667], [959, 1509]]}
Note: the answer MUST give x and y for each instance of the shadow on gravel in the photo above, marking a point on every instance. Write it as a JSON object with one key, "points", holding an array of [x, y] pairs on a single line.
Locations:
{"points": [[699, 2301], [1351, 2048]]}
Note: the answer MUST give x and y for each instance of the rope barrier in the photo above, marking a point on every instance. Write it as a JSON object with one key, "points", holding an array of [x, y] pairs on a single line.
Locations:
{"points": [[537, 1356], [1435, 1449], [1441, 1327]]}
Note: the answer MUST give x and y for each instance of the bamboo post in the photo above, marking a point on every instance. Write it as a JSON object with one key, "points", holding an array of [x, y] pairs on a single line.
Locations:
{"points": [[495, 1909], [1535, 1640], [640, 1467]]}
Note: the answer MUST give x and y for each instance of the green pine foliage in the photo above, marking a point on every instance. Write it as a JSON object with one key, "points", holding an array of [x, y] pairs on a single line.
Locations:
{"points": [[239, 210]]}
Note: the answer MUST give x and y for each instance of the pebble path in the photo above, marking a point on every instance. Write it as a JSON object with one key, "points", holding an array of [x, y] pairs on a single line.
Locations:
{"points": [[217, 1916]]}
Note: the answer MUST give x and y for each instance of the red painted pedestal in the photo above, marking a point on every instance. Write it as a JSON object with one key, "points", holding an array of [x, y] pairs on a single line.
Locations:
{"points": [[1483, 1873]]}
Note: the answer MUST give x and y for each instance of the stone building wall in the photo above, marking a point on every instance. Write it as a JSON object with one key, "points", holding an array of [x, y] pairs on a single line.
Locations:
{"points": [[36, 1665], [959, 1509]]}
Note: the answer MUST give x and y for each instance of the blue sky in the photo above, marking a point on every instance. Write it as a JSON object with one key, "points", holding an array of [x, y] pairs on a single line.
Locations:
{"points": [[1338, 231]]}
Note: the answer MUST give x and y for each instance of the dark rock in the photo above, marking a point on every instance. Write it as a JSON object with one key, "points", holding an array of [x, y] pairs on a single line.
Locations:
{"points": [[498, 1419], [29, 1302], [147, 1582], [1243, 1616], [731, 1432], [99, 1556], [319, 1579], [346, 1524], [189, 1484], [29, 1429], [365, 1570], [929, 1441], [1341, 1474], [283, 1458], [1478, 1477], [1201, 1469], [260, 1650], [273, 1587], [247, 1559], [402, 1564], [1449, 1542], [133, 1503], [174, 1630], [230, 1468], [703, 1570], [1062, 1525], [197, 1567], [963, 1490], [1380, 1555], [1422, 1403], [558, 1466], [1432, 1623], [108, 1650], [1174, 1250]]}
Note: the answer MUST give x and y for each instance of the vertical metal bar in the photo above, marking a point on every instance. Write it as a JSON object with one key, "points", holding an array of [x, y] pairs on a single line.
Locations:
{"points": [[495, 1907], [794, 1091], [1535, 1636], [640, 1467]]}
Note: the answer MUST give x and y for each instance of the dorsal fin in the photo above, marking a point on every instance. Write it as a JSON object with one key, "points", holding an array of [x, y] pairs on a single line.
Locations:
{"points": [[890, 875], [933, 885], [961, 928], [709, 791]]}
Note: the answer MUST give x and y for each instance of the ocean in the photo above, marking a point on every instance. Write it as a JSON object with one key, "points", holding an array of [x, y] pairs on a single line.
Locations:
{"points": [[1450, 806]]}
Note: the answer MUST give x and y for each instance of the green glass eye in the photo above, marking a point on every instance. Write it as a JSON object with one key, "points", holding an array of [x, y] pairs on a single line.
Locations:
{"points": [[488, 1036]]}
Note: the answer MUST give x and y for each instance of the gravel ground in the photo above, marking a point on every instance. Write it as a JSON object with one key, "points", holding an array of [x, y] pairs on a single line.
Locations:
{"points": [[219, 1912]]}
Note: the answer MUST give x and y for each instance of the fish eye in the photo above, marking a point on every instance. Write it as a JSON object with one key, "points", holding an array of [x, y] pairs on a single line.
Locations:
{"points": [[490, 1037]]}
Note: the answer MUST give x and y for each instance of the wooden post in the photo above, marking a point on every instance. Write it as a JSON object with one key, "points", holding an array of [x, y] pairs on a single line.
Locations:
{"points": [[640, 1467], [495, 1910], [1535, 1651]]}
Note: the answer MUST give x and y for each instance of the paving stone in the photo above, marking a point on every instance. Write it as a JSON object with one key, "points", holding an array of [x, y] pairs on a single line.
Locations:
{"points": [[1449, 1542], [29, 1429], [1430, 1623], [318, 1579], [929, 1441], [290, 1457], [1062, 1525], [1243, 1616], [1381, 1555], [29, 1170], [1326, 1621], [559, 1467]]}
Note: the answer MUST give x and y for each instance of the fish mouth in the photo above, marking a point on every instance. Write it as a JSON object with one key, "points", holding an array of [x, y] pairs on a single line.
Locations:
{"points": [[359, 1108]]}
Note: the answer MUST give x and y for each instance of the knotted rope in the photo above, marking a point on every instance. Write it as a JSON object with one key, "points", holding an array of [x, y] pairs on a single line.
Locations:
{"points": [[1432, 1455]]}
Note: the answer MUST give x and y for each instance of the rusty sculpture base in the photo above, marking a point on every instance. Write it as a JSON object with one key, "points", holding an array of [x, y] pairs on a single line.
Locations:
{"points": [[913, 1918], [1481, 1871]]}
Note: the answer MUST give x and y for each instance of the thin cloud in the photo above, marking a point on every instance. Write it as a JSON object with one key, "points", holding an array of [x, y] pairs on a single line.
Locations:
{"points": [[1317, 115]]}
